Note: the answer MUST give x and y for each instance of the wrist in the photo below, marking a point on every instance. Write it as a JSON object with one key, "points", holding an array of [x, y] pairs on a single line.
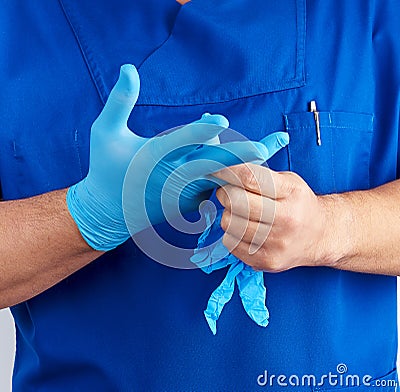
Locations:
{"points": [[100, 222], [338, 242]]}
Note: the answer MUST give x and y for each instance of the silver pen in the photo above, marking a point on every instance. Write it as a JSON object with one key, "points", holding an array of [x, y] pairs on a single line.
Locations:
{"points": [[313, 109]]}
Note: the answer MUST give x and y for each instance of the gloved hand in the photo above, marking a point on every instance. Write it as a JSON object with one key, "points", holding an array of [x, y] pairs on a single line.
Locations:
{"points": [[95, 203]]}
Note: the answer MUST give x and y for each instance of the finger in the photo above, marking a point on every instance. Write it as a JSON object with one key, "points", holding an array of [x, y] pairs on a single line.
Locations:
{"points": [[221, 296], [216, 157], [255, 233], [260, 261], [202, 131], [246, 204], [257, 179], [121, 100], [252, 292], [199, 164], [235, 153], [240, 249], [275, 142]]}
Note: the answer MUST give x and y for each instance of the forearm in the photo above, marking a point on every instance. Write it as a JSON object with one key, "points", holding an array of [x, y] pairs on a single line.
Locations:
{"points": [[363, 230], [40, 245], [273, 221]]}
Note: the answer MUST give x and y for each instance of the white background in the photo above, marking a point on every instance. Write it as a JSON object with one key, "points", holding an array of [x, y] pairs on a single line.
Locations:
{"points": [[7, 344]]}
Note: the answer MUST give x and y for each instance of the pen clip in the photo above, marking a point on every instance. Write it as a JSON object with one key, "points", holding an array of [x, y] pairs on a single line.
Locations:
{"points": [[313, 109]]}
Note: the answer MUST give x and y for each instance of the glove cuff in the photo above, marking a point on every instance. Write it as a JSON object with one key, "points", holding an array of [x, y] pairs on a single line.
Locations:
{"points": [[101, 229]]}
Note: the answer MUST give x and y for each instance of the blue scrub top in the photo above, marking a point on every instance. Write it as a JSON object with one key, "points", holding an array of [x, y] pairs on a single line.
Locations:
{"points": [[127, 323]]}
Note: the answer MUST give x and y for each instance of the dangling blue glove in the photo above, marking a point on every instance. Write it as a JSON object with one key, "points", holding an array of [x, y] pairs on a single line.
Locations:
{"points": [[211, 255], [95, 203]]}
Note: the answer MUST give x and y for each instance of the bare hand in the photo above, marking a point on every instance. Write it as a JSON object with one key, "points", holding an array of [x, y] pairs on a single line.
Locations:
{"points": [[273, 221]]}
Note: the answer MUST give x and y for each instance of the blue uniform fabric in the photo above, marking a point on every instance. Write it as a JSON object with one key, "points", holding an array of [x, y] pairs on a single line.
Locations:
{"points": [[105, 328]]}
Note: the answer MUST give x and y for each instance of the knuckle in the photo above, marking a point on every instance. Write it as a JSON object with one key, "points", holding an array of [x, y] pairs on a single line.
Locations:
{"points": [[246, 232], [294, 183], [288, 183], [225, 219], [262, 254], [281, 245], [268, 260], [291, 176], [250, 179], [287, 217], [290, 221], [234, 196]]}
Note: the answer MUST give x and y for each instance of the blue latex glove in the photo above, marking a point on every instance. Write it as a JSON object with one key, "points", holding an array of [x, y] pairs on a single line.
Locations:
{"points": [[211, 255], [95, 203], [251, 290]]}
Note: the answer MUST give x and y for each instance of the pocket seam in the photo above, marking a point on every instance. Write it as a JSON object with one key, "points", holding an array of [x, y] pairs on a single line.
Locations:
{"points": [[335, 120], [301, 127], [332, 165], [331, 126]]}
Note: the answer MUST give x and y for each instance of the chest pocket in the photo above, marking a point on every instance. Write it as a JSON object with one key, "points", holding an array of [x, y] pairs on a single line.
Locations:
{"points": [[224, 50], [341, 163], [214, 51]]}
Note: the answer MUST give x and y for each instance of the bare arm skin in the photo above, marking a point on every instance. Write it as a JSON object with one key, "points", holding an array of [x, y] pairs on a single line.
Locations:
{"points": [[274, 222], [357, 231], [366, 230], [40, 246]]}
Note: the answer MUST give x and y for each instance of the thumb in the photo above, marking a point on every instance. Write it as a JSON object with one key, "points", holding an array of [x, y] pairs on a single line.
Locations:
{"points": [[122, 99], [275, 142]]}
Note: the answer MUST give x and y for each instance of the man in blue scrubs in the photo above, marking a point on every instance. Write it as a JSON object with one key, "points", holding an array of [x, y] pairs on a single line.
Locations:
{"points": [[119, 321]]}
